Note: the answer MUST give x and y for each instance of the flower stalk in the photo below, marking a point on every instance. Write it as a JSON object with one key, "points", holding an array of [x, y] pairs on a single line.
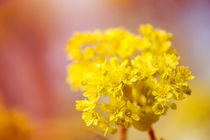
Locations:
{"points": [[152, 134], [123, 134]]}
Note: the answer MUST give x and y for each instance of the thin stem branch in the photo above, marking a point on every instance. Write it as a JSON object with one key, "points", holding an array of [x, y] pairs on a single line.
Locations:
{"points": [[123, 135], [152, 134]]}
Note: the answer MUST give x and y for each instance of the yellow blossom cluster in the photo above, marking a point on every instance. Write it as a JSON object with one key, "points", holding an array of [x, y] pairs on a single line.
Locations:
{"points": [[127, 79]]}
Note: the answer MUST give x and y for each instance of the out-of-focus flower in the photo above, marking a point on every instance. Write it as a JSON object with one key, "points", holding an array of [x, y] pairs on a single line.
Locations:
{"points": [[138, 73], [13, 125]]}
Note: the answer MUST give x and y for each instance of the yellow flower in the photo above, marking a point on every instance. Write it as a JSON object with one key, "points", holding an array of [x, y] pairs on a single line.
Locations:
{"points": [[105, 126], [115, 109], [85, 105], [90, 117], [168, 62], [126, 76], [162, 92], [145, 66], [131, 113], [158, 108]]}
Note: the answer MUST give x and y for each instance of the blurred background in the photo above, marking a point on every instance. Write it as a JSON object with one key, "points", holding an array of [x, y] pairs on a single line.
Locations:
{"points": [[33, 34]]}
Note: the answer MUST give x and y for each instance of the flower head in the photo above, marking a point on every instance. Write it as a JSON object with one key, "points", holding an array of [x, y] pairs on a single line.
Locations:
{"points": [[126, 77]]}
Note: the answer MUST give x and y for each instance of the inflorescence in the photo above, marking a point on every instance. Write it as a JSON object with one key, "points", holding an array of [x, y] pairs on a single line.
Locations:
{"points": [[127, 79]]}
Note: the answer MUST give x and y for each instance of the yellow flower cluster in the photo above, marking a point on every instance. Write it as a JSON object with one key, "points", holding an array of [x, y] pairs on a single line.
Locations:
{"points": [[128, 79]]}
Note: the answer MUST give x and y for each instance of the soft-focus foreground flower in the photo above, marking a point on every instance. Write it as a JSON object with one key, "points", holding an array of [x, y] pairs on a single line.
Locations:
{"points": [[13, 125], [127, 79]]}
